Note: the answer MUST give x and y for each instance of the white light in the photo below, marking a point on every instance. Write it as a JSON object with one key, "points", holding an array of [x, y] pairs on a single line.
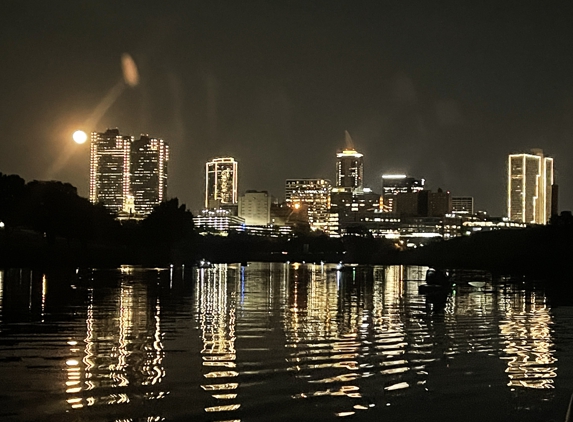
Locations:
{"points": [[79, 136], [393, 176]]}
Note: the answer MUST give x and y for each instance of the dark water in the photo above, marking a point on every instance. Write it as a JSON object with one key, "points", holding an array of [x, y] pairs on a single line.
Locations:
{"points": [[274, 342]]}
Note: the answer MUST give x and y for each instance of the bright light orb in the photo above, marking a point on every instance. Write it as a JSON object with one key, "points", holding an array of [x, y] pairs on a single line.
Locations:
{"points": [[79, 136]]}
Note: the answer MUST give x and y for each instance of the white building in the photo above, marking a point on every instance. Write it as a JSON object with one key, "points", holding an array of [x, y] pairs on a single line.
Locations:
{"points": [[255, 208]]}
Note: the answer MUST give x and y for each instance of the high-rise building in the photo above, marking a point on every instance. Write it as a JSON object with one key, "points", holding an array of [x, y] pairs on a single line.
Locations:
{"points": [[530, 177], [125, 175], [149, 158], [463, 205], [349, 166], [109, 169], [394, 184], [315, 194], [221, 182], [349, 169], [255, 208]]}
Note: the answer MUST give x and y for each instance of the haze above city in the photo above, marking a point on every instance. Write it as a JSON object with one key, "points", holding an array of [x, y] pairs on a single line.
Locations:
{"points": [[439, 91]]}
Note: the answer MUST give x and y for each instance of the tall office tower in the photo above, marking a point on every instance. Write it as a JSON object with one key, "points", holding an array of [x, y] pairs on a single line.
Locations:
{"points": [[394, 184], [149, 158], [221, 182], [109, 169], [530, 177], [463, 205], [255, 208], [315, 194], [349, 166]]}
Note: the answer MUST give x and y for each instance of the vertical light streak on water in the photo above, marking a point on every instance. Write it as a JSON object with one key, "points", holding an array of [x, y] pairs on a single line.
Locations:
{"points": [[44, 293], [323, 326], [1, 293], [158, 371], [527, 333], [217, 324], [31, 273], [88, 358], [125, 325]]}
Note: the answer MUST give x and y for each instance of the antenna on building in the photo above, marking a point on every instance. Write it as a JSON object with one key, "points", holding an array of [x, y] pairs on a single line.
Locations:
{"points": [[349, 141]]}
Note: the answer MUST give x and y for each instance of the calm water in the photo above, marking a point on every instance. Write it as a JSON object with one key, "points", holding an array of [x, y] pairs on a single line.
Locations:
{"points": [[277, 342]]}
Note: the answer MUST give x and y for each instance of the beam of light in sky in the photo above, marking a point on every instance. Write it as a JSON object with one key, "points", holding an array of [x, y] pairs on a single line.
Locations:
{"points": [[131, 79]]}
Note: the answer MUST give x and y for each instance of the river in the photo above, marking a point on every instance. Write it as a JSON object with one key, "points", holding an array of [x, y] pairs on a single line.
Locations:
{"points": [[278, 342]]}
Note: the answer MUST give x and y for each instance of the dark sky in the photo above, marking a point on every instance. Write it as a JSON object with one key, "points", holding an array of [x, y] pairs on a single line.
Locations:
{"points": [[440, 90]]}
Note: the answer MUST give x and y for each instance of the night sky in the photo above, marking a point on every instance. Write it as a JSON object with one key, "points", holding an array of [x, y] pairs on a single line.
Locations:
{"points": [[439, 90]]}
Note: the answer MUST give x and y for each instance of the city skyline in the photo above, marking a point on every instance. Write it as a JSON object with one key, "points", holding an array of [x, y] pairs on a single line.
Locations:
{"points": [[440, 92]]}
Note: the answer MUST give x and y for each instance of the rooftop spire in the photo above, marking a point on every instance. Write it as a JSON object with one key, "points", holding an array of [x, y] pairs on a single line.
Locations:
{"points": [[349, 141]]}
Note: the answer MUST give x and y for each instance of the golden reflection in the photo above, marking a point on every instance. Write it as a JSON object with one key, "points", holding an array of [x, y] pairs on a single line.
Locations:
{"points": [[216, 309], [44, 293], [122, 347], [1, 294], [528, 341]]}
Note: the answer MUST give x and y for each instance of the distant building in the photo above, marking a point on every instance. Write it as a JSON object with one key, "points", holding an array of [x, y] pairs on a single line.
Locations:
{"points": [[349, 166], [255, 208], [221, 182], [149, 158], [463, 205], [423, 203], [110, 168], [530, 177], [394, 184], [352, 206], [439, 203], [219, 220], [315, 195], [128, 176]]}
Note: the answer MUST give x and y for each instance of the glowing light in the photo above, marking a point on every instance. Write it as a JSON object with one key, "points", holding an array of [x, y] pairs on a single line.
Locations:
{"points": [[394, 176], [79, 136], [130, 73]]}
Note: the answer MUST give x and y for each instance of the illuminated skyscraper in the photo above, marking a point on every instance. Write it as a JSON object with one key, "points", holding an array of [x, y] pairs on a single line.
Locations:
{"points": [[221, 182], [127, 175], [149, 158], [349, 167], [315, 194], [109, 168], [530, 177]]}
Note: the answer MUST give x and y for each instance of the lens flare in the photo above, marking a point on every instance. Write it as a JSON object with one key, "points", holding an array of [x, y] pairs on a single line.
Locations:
{"points": [[130, 73]]}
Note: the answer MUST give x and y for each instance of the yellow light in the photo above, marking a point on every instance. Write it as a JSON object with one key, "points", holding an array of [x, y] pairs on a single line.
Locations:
{"points": [[79, 136]]}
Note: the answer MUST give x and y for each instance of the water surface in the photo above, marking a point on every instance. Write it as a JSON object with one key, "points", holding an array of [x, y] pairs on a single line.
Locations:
{"points": [[278, 342]]}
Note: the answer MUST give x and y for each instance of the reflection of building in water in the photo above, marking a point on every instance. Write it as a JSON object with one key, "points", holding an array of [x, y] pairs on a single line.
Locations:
{"points": [[216, 313], [1, 292], [529, 348], [123, 348]]}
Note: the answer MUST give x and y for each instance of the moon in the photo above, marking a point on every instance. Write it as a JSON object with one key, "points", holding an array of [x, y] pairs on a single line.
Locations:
{"points": [[79, 136]]}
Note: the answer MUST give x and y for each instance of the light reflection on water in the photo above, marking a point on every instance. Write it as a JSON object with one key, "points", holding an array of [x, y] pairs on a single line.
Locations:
{"points": [[275, 341]]}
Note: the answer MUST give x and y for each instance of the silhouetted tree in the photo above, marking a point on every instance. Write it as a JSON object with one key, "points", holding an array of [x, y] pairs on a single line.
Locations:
{"points": [[168, 223], [12, 190]]}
